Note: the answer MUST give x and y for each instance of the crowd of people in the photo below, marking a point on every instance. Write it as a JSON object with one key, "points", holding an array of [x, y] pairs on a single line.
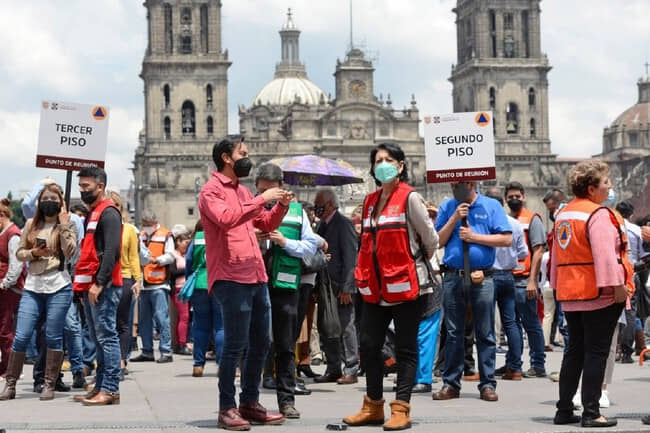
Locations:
{"points": [[266, 286]]}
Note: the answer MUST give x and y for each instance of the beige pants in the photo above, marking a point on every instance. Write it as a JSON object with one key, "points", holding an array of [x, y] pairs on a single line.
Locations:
{"points": [[549, 314], [609, 368]]}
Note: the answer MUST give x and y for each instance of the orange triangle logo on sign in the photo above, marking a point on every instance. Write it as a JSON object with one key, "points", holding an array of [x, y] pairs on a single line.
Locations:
{"points": [[99, 113], [482, 119]]}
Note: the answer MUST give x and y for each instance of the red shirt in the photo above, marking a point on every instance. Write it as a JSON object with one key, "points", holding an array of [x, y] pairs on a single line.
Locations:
{"points": [[229, 214]]}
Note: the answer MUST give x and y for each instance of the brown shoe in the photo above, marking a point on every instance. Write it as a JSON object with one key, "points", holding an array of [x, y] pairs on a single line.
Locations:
{"points": [[231, 419], [400, 418], [511, 375], [347, 379], [53, 360], [488, 394], [81, 397], [446, 393], [472, 377], [372, 413], [102, 398], [197, 371], [255, 413], [14, 368], [548, 348]]}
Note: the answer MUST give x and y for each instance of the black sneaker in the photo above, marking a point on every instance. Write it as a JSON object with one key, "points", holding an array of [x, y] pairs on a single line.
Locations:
{"points": [[646, 420], [142, 358], [60, 386], [164, 359], [535, 372], [627, 359], [78, 380], [499, 371]]}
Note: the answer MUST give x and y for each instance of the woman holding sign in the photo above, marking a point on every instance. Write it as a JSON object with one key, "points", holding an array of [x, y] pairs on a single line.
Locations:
{"points": [[392, 275], [47, 241]]}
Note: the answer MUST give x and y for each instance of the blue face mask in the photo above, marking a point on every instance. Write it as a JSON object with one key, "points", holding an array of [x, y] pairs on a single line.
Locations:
{"points": [[385, 172], [611, 198]]}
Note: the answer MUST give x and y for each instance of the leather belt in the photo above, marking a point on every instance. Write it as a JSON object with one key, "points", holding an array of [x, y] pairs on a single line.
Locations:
{"points": [[447, 269]]}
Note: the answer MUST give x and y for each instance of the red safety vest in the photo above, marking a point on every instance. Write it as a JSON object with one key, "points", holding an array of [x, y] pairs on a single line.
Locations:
{"points": [[89, 263], [385, 265], [11, 231], [576, 273], [156, 274], [524, 218]]}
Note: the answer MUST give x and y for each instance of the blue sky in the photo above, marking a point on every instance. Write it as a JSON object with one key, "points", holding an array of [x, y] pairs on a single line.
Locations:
{"points": [[91, 52]]}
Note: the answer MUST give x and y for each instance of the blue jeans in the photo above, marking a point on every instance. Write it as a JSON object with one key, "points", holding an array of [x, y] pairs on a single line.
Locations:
{"points": [[504, 294], [481, 297], [528, 319], [154, 308], [54, 307], [427, 344], [101, 319], [72, 332], [246, 312], [206, 322]]}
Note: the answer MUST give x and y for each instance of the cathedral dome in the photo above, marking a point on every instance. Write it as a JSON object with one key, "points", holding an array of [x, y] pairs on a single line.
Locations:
{"points": [[638, 114], [286, 90]]}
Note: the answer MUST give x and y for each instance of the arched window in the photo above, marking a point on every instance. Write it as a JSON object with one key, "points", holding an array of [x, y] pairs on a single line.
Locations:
{"points": [[512, 118], [531, 97], [208, 94], [533, 130], [166, 95], [493, 97], [210, 125], [188, 124], [167, 127]]}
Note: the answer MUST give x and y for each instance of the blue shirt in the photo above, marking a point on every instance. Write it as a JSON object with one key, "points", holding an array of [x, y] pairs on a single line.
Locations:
{"points": [[307, 245], [507, 258], [486, 217], [634, 242]]}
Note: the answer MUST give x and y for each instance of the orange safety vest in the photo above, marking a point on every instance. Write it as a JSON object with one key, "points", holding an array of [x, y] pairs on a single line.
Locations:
{"points": [[385, 265], [525, 217], [89, 263], [156, 274], [576, 273]]}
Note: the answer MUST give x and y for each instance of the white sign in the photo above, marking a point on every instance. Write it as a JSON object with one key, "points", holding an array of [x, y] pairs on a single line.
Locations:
{"points": [[459, 147], [72, 136]]}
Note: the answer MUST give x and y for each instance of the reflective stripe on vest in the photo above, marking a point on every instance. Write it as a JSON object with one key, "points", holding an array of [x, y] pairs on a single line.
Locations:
{"points": [[88, 264], [153, 273], [286, 269], [385, 264]]}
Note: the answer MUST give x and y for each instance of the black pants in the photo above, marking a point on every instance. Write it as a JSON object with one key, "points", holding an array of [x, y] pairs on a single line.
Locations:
{"points": [[304, 295], [123, 321], [629, 330], [284, 318], [374, 323], [590, 336]]}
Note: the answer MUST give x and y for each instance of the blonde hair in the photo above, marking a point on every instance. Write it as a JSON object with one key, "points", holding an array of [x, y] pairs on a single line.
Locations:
{"points": [[116, 198], [585, 174]]}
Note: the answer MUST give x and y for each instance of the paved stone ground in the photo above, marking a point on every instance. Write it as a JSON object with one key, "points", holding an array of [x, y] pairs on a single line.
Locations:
{"points": [[166, 398]]}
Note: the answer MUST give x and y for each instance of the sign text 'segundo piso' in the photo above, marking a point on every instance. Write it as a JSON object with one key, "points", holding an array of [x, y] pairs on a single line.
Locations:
{"points": [[459, 147], [72, 136]]}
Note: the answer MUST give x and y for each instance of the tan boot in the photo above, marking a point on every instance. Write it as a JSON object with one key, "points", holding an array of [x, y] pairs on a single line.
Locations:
{"points": [[197, 371], [399, 416], [372, 413], [52, 367], [14, 368]]}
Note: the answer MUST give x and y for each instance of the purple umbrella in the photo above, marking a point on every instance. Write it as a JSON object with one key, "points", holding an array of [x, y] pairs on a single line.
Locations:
{"points": [[311, 170]]}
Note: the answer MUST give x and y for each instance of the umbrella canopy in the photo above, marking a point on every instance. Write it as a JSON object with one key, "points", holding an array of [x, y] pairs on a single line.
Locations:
{"points": [[312, 170]]}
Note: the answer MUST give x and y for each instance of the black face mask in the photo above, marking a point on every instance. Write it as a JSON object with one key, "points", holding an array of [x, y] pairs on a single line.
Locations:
{"points": [[461, 192], [319, 211], [243, 167], [88, 197], [551, 216], [49, 208], [515, 204]]}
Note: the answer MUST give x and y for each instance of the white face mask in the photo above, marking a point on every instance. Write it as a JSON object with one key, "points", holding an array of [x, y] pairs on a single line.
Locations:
{"points": [[149, 230]]}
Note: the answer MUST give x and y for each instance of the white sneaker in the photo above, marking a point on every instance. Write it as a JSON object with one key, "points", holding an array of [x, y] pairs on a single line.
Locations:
{"points": [[577, 401], [604, 400]]}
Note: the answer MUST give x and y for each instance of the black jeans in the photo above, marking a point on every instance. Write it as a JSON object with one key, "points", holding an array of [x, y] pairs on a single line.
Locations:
{"points": [[374, 323], [284, 318], [590, 336], [124, 317]]}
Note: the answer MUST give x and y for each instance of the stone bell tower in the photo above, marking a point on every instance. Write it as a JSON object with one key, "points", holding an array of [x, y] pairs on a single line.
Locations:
{"points": [[185, 74]]}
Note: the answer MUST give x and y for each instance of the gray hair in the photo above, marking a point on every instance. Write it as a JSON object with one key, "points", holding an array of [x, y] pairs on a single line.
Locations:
{"points": [[149, 215], [329, 195], [270, 172], [180, 231]]}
